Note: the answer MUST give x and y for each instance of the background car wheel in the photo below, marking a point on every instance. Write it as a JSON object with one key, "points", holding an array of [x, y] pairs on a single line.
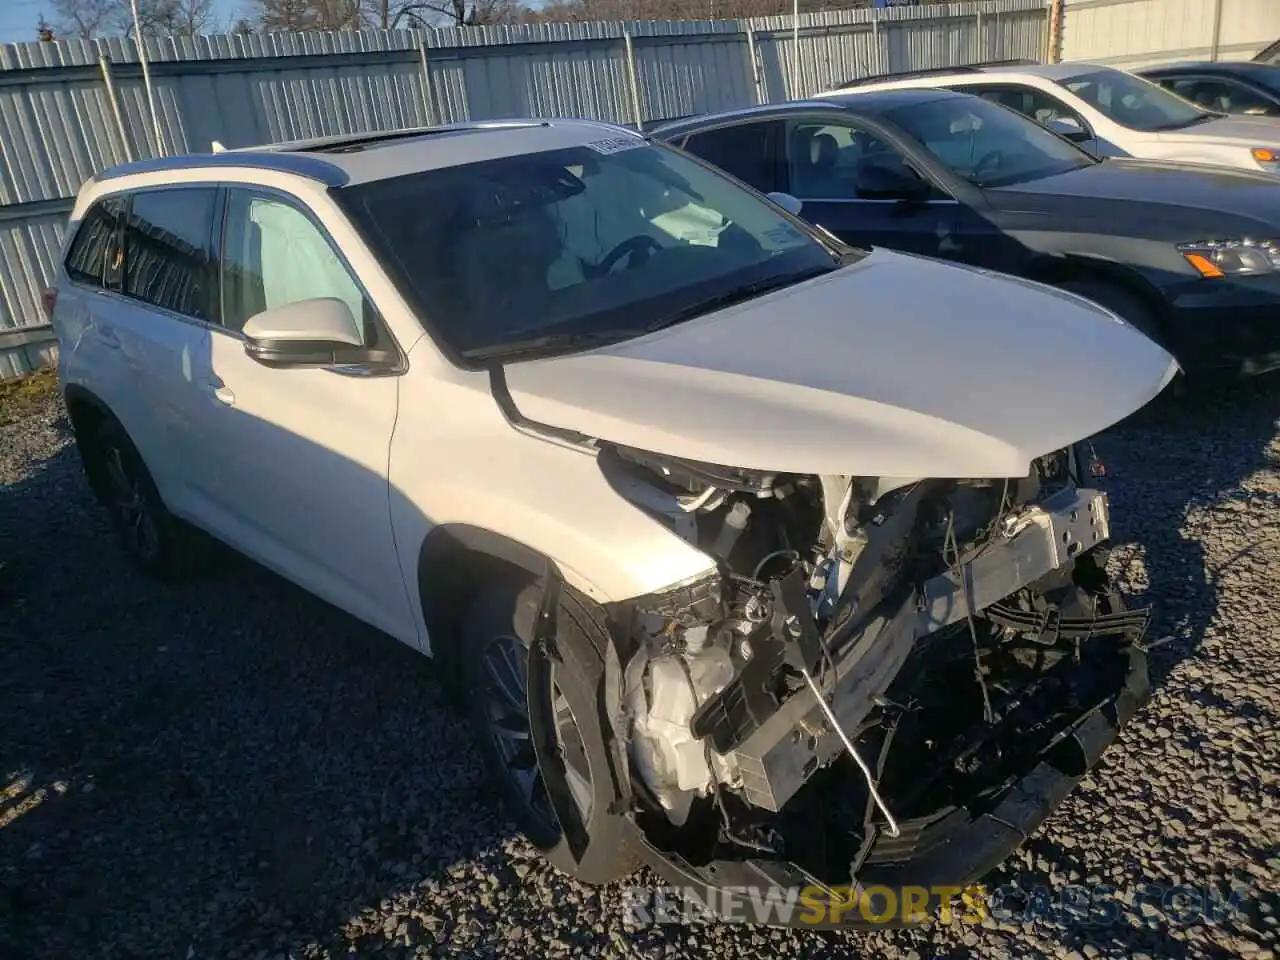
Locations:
{"points": [[517, 692], [156, 541]]}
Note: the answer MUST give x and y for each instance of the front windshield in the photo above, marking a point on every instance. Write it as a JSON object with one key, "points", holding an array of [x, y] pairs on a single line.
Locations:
{"points": [[1134, 102], [598, 241], [987, 144]]}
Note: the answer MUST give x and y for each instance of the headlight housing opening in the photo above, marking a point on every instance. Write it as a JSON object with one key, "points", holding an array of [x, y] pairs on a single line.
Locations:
{"points": [[1268, 158], [1232, 258]]}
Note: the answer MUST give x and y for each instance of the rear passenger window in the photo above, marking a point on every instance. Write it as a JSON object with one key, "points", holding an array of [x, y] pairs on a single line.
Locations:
{"points": [[273, 255], [741, 150], [94, 256], [167, 249]]}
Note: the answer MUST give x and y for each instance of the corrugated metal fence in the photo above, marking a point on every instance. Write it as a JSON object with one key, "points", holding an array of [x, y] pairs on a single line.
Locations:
{"points": [[1135, 33], [60, 123]]}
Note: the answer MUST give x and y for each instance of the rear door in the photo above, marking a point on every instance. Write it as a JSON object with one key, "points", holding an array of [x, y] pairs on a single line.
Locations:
{"points": [[149, 324], [294, 461]]}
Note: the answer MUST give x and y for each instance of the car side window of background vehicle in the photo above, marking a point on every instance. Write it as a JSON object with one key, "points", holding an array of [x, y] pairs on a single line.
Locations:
{"points": [[1039, 106], [842, 161], [1222, 95], [745, 150]]}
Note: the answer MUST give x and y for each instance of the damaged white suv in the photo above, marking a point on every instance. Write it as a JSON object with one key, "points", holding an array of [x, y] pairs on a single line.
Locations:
{"points": [[770, 561]]}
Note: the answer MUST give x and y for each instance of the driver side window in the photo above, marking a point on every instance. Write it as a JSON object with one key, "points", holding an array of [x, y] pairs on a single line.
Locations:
{"points": [[841, 161], [273, 254]]}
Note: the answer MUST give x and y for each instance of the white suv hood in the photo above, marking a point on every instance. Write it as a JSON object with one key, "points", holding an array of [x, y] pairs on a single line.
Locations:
{"points": [[897, 366]]}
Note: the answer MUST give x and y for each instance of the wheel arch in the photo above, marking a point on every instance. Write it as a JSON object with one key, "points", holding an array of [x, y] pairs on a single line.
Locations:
{"points": [[453, 560], [1061, 269], [84, 406], [87, 412]]}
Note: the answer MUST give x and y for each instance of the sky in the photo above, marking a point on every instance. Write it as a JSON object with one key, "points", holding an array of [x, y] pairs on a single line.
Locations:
{"points": [[18, 18]]}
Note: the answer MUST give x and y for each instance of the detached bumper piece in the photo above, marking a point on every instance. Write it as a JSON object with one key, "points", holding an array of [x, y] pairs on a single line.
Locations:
{"points": [[934, 856]]}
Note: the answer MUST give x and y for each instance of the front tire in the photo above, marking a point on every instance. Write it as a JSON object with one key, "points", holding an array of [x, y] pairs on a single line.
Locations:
{"points": [[1130, 308], [519, 691]]}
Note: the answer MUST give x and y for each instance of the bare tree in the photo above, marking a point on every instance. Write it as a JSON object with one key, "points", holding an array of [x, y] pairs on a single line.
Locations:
{"points": [[286, 15], [410, 14], [93, 18], [175, 18], [294, 15], [86, 18], [560, 10]]}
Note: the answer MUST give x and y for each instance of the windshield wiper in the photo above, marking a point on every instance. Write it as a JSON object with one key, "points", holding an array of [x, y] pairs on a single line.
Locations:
{"points": [[548, 343], [1203, 118], [736, 295]]}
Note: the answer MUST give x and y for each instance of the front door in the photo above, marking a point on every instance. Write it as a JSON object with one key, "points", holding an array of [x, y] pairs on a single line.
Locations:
{"points": [[864, 190], [296, 459]]}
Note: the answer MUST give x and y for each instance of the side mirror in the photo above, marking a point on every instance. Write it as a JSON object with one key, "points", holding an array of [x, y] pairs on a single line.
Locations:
{"points": [[787, 202], [1068, 127], [318, 332]]}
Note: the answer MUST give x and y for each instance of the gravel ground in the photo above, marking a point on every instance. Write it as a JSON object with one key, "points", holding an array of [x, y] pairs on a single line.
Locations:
{"points": [[232, 769]]}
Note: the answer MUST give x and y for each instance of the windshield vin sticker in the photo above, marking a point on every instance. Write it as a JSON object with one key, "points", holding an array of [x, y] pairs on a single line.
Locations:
{"points": [[615, 144]]}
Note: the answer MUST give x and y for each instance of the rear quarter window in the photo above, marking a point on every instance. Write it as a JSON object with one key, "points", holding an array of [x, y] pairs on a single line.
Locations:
{"points": [[95, 256]]}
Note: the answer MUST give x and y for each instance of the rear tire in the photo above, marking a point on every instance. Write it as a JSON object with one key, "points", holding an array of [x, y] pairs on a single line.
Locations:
{"points": [[153, 539], [499, 664]]}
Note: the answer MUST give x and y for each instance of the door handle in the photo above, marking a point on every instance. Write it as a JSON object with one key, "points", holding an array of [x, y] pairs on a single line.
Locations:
{"points": [[221, 392]]}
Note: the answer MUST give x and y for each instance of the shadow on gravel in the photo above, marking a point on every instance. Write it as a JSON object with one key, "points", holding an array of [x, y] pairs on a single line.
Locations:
{"points": [[1168, 465], [1196, 451], [230, 763], [234, 765]]}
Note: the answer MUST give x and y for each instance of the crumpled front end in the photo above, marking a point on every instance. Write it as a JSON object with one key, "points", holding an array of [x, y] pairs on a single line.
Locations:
{"points": [[889, 682]]}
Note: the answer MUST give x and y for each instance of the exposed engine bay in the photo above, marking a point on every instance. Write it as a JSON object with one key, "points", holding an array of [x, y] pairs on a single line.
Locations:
{"points": [[876, 658]]}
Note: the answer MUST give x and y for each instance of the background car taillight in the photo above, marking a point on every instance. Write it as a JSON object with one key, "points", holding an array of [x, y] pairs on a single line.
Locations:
{"points": [[50, 300]]}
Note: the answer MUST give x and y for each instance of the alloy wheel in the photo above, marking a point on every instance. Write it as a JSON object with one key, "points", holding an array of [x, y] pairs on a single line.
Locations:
{"points": [[507, 700], [130, 504]]}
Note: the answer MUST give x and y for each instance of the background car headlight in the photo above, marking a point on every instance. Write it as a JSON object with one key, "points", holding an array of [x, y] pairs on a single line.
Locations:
{"points": [[1268, 158], [1232, 258]]}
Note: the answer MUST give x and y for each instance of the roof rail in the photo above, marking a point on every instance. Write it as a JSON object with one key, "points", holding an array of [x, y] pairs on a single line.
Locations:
{"points": [[351, 142], [935, 71], [313, 168]]}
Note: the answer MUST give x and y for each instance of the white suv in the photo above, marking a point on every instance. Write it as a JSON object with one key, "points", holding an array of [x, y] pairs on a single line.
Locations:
{"points": [[693, 505], [1107, 111]]}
